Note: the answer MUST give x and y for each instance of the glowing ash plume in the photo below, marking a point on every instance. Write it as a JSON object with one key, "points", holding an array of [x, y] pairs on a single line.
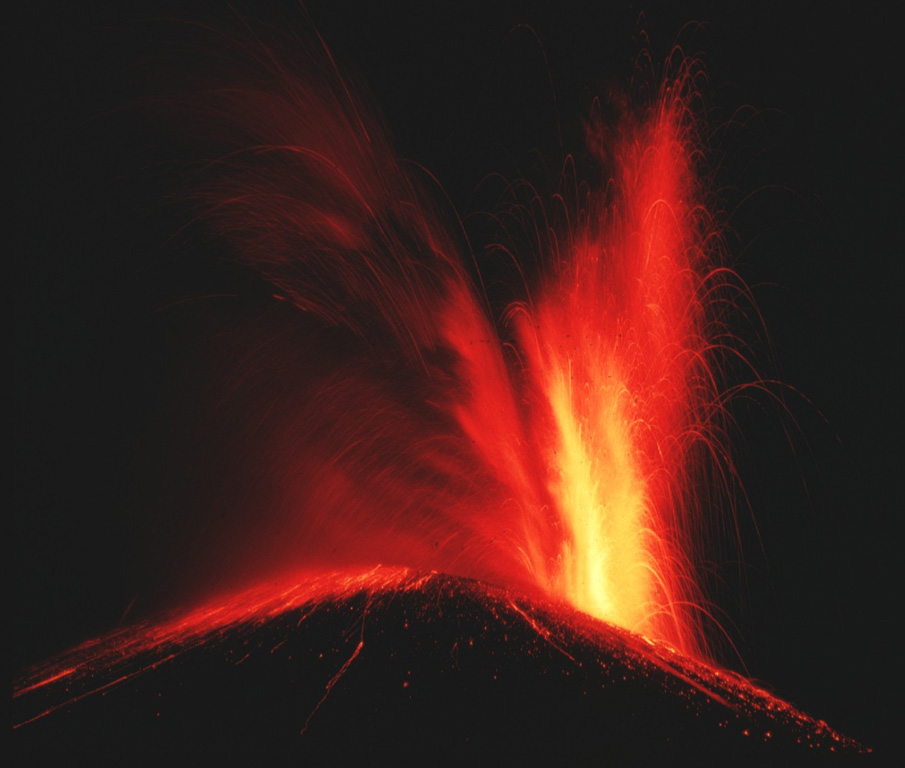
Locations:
{"points": [[552, 448]]}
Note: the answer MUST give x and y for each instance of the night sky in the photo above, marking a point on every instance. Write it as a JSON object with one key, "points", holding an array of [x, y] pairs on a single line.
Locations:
{"points": [[123, 319]]}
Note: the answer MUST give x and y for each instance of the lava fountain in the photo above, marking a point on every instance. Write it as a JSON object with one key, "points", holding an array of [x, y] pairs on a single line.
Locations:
{"points": [[617, 349], [556, 446]]}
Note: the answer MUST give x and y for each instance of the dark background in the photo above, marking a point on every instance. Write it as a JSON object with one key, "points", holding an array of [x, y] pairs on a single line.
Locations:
{"points": [[113, 339]]}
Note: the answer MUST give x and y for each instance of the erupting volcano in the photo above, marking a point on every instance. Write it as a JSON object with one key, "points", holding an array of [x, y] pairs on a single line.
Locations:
{"points": [[547, 444], [525, 433]]}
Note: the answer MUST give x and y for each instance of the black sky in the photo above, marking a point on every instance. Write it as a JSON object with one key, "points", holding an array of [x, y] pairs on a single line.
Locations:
{"points": [[104, 363]]}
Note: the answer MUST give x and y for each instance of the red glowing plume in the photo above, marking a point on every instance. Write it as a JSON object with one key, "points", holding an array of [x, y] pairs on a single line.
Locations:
{"points": [[553, 446]]}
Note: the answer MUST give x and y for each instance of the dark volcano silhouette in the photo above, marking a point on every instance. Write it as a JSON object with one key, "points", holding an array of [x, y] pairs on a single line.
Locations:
{"points": [[414, 668]]}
